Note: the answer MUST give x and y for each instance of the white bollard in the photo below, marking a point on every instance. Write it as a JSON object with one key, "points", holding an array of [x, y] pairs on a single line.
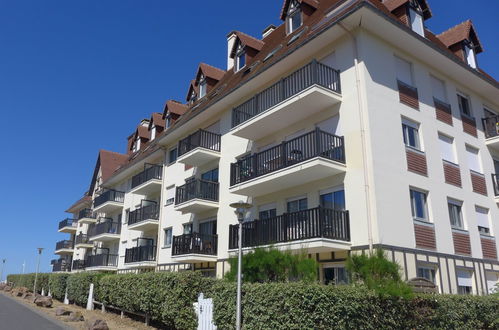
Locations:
{"points": [[66, 300], [90, 300], [49, 294], [43, 291]]}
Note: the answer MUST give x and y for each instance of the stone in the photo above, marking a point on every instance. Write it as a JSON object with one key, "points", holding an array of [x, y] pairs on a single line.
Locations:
{"points": [[59, 311], [74, 317], [2, 286], [19, 292], [7, 288], [43, 301], [96, 324], [27, 295]]}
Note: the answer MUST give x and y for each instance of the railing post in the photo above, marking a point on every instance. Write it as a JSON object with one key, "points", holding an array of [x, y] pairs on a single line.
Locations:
{"points": [[254, 164], [343, 155], [321, 216], [317, 141], [315, 68], [284, 156]]}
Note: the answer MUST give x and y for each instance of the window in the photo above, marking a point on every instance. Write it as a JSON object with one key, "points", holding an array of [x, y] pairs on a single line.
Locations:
{"points": [[447, 148], [455, 214], [187, 228], [127, 215], [193, 97], [293, 19], [202, 86], [168, 121], [335, 275], [473, 159], [464, 283], [419, 205], [136, 145], [170, 195], [168, 237], [267, 211], [153, 132], [333, 200], [416, 20], [492, 280], [438, 87], [464, 105], [298, 204], [470, 54], [427, 273], [240, 57], [482, 219], [211, 175], [404, 71], [410, 131], [208, 227], [172, 157]]}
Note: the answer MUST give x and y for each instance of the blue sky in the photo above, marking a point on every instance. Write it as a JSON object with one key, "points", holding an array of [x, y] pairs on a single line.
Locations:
{"points": [[77, 76]]}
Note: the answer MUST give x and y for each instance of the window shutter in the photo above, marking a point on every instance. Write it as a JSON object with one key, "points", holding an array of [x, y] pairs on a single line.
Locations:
{"points": [[464, 278], [404, 71], [482, 217], [438, 87], [473, 160], [446, 148]]}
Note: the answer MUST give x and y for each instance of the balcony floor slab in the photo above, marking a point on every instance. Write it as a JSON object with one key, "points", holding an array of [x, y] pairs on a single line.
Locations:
{"points": [[64, 251], [147, 188], [144, 225], [104, 237], [196, 205], [108, 207], [313, 245], [84, 246], [102, 268], [493, 142], [87, 221], [68, 229], [194, 257], [198, 157]]}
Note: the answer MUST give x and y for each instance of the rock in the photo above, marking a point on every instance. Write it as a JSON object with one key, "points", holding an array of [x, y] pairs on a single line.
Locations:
{"points": [[2, 285], [96, 324], [7, 288], [74, 317], [59, 311], [27, 295], [19, 292], [43, 301]]}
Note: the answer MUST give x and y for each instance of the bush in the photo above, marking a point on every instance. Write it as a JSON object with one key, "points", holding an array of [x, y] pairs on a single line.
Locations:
{"points": [[57, 284], [272, 265], [78, 285], [28, 281]]}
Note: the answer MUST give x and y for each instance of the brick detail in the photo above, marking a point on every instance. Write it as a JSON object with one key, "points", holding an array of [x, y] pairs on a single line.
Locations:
{"points": [[461, 243], [452, 174], [479, 183], [425, 237], [401, 13], [416, 162], [469, 126], [408, 95], [443, 112], [489, 249]]}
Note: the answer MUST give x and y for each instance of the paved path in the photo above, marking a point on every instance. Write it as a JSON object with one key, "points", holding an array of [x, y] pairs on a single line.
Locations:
{"points": [[16, 316]]}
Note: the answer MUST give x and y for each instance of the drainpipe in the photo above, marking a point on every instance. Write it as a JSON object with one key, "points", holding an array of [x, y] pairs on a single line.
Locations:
{"points": [[360, 100]]}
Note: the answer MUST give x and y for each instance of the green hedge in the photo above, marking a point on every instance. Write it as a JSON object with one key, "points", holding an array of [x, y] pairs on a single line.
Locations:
{"points": [[78, 285], [28, 281], [57, 285]]}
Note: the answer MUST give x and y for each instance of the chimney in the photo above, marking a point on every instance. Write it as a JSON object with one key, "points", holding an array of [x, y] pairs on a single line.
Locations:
{"points": [[268, 30], [231, 39]]}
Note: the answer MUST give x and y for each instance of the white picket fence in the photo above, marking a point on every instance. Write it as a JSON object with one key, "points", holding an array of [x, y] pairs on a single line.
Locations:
{"points": [[204, 312]]}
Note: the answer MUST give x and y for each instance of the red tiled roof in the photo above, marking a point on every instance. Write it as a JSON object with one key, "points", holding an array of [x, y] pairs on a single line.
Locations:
{"points": [[86, 199], [192, 86], [285, 5], [210, 71], [460, 32], [248, 41], [156, 120], [175, 107], [110, 161], [391, 5]]}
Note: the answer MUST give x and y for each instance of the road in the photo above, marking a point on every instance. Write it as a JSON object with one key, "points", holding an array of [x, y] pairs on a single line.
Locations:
{"points": [[16, 316]]}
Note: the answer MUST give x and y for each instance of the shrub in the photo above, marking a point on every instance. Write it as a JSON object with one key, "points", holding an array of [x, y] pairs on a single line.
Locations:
{"points": [[273, 265], [78, 285], [28, 281], [57, 284]]}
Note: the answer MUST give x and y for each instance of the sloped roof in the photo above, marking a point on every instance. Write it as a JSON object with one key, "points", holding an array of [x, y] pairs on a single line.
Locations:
{"points": [[80, 204], [285, 5], [248, 41], [192, 87], [391, 5], [210, 72], [156, 120], [460, 32], [110, 161], [175, 107]]}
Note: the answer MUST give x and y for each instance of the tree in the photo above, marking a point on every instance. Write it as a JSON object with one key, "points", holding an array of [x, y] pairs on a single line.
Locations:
{"points": [[272, 265]]}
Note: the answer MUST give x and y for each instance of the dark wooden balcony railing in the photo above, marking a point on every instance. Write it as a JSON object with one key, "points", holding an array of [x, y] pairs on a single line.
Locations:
{"points": [[102, 260], [79, 264], [491, 126], [314, 73], [82, 239], [68, 223], [109, 196], [106, 227], [150, 173], [86, 213], [199, 139], [140, 253], [194, 243], [61, 265], [149, 212], [313, 144], [495, 183], [312, 223], [66, 244], [201, 189]]}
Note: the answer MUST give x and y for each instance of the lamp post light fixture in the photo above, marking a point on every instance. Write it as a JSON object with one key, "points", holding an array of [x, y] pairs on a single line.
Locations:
{"points": [[37, 268], [240, 209], [1, 272]]}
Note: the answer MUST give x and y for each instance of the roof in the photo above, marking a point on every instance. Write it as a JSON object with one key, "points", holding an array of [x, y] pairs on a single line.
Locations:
{"points": [[156, 120], [391, 5], [460, 32], [248, 41], [176, 107], [110, 161], [285, 5], [192, 87], [210, 71], [81, 203]]}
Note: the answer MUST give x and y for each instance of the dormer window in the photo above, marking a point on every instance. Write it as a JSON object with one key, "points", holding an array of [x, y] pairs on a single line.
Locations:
{"points": [[470, 54], [202, 86], [293, 18], [416, 17], [168, 122], [136, 145], [240, 57], [193, 97], [153, 132]]}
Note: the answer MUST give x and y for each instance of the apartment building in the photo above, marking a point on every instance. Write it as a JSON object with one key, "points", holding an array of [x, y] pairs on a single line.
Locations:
{"points": [[349, 127]]}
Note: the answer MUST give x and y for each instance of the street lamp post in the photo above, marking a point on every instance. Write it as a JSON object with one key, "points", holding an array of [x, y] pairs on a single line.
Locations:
{"points": [[1, 272], [241, 209], [37, 268]]}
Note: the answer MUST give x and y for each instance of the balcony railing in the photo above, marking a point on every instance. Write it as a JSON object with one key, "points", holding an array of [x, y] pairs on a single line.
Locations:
{"points": [[144, 213], [201, 189], [150, 173], [314, 73], [313, 144], [61, 265], [140, 253], [79, 264], [491, 126], [195, 243], [109, 196], [64, 245], [102, 260], [495, 183], [312, 223], [68, 223], [106, 227], [86, 213], [82, 239], [199, 139]]}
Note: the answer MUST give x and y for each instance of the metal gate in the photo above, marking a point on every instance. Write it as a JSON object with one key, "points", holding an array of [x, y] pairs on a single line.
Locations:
{"points": [[204, 312]]}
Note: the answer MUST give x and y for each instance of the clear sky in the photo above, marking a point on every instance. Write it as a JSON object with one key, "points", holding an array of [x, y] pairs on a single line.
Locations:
{"points": [[77, 76]]}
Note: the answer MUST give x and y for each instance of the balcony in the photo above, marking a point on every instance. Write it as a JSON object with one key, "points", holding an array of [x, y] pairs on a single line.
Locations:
{"points": [[194, 248], [144, 218], [109, 201], [491, 130], [294, 98], [68, 226], [64, 247], [313, 156], [196, 196], [61, 265], [495, 183], [104, 261], [318, 230], [82, 241], [199, 148], [141, 256], [105, 231], [148, 181], [78, 265], [87, 216]]}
